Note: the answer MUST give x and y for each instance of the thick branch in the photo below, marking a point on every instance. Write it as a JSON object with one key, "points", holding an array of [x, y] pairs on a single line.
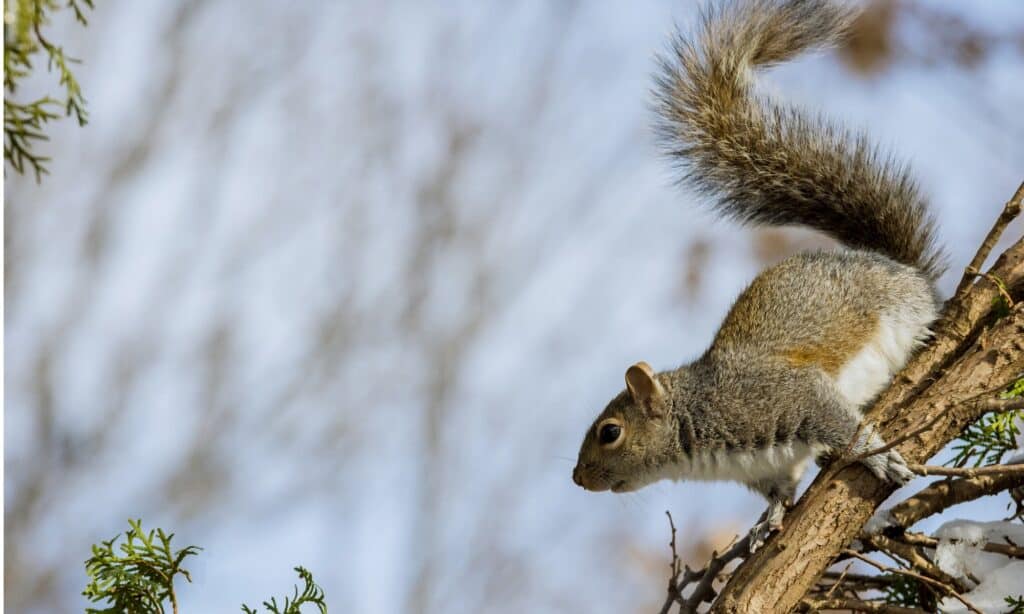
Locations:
{"points": [[943, 494]]}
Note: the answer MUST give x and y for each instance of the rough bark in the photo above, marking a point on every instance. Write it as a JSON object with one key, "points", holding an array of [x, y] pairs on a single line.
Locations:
{"points": [[973, 355]]}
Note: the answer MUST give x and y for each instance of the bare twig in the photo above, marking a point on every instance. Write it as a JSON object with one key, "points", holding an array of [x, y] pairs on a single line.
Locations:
{"points": [[705, 577], [1010, 211], [856, 605], [673, 581], [847, 584], [978, 402], [915, 560], [839, 581], [998, 283], [704, 590], [920, 539], [969, 472], [945, 588], [857, 578]]}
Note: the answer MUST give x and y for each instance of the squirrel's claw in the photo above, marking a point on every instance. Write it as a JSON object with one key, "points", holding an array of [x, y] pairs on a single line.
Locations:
{"points": [[890, 466], [770, 522]]}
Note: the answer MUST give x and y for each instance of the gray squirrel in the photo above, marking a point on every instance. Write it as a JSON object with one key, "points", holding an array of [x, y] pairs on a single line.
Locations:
{"points": [[813, 339]]}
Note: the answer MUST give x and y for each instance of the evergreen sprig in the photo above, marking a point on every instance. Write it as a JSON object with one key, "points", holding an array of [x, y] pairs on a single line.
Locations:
{"points": [[1016, 604], [907, 592], [988, 440], [311, 594], [138, 576], [23, 42], [993, 436]]}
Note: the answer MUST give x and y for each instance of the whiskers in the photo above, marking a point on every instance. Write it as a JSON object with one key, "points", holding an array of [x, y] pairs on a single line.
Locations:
{"points": [[633, 501]]}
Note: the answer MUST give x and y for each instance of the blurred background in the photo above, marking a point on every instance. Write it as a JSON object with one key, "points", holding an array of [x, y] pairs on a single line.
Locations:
{"points": [[342, 284]]}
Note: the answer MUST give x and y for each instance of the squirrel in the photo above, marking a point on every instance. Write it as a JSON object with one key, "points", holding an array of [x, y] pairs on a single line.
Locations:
{"points": [[812, 340]]}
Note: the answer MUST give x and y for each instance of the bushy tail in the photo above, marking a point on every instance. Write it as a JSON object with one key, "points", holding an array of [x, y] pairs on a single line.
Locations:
{"points": [[773, 164]]}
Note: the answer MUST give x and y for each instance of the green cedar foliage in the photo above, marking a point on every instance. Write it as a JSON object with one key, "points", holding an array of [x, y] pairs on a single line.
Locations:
{"points": [[311, 594], [992, 437], [24, 43], [136, 576]]}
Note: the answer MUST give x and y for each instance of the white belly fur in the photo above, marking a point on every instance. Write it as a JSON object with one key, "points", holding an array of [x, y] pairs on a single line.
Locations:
{"points": [[871, 369], [744, 466]]}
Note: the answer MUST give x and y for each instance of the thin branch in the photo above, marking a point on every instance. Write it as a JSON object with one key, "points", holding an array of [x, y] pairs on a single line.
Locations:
{"points": [[1010, 211], [856, 605], [998, 283], [857, 578], [980, 404], [920, 539], [705, 577], [945, 588], [970, 472], [673, 581], [705, 591], [839, 581], [915, 560]]}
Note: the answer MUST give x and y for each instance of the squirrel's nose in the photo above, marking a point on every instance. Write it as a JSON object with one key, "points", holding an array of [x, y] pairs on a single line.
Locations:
{"points": [[576, 476]]}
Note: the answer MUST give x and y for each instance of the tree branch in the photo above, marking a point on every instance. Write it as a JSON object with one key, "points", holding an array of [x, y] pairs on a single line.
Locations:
{"points": [[920, 539], [705, 577], [942, 586], [943, 494], [1010, 211], [913, 557], [856, 605], [972, 472], [982, 404]]}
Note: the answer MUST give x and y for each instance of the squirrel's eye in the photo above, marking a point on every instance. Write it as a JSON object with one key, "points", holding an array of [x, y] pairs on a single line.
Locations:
{"points": [[609, 433]]}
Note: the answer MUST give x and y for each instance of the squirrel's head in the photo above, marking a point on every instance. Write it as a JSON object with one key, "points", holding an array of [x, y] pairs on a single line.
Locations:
{"points": [[627, 445]]}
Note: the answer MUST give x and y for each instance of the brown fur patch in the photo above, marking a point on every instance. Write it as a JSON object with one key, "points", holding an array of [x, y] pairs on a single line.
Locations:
{"points": [[839, 346]]}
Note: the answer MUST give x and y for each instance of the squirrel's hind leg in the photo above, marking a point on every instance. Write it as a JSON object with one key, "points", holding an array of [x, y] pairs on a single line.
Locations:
{"points": [[779, 492]]}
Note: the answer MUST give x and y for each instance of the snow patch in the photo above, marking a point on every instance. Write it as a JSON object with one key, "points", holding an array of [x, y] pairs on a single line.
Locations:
{"points": [[960, 554], [990, 595], [881, 521]]}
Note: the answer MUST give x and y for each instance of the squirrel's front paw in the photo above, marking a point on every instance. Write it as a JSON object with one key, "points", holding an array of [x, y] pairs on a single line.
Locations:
{"points": [[890, 466]]}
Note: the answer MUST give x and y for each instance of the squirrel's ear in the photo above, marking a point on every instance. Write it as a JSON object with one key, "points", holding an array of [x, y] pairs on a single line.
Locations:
{"points": [[641, 383]]}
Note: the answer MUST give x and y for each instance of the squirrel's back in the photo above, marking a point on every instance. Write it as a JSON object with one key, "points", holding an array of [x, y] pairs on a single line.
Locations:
{"points": [[855, 316], [766, 162]]}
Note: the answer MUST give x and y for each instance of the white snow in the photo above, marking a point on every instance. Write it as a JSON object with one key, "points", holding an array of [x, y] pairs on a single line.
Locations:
{"points": [[990, 595], [879, 522], [959, 554]]}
